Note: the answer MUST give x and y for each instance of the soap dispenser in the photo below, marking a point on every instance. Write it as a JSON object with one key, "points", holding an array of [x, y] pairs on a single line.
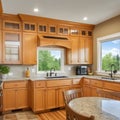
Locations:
{"points": [[27, 72]]}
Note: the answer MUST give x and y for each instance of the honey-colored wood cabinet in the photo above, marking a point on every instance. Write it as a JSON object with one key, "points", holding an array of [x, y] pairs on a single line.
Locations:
{"points": [[47, 94], [60, 101], [63, 30], [39, 99], [37, 91], [11, 47], [29, 27], [72, 54], [86, 87], [50, 98], [11, 25], [95, 84], [85, 50], [29, 48], [15, 95]]}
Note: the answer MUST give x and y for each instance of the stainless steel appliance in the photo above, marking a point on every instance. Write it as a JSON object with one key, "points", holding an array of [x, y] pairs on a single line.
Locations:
{"points": [[82, 70]]}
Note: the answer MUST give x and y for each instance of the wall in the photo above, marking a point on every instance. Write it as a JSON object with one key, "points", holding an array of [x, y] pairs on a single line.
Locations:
{"points": [[18, 71], [108, 27]]}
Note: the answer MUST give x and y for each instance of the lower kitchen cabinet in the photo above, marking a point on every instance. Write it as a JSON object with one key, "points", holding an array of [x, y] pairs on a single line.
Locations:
{"points": [[15, 95], [47, 94], [60, 96], [39, 99], [50, 98]]}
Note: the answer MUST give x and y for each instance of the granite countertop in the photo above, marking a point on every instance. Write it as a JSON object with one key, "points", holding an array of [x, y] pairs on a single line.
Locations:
{"points": [[101, 108], [68, 77]]}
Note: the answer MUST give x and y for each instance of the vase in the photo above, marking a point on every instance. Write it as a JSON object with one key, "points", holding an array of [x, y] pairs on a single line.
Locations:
{"points": [[4, 76]]}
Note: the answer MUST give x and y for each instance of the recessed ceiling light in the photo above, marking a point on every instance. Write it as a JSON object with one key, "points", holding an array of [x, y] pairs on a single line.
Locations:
{"points": [[36, 10], [85, 18]]}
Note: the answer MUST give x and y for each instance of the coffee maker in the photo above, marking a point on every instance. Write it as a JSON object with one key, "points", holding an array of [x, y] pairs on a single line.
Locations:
{"points": [[82, 70]]}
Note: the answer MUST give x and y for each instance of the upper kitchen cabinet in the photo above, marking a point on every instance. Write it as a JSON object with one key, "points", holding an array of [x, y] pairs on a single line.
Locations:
{"points": [[63, 30], [85, 50], [11, 22], [29, 27], [11, 25], [52, 29], [74, 31], [72, 54], [11, 47], [42, 28], [29, 48]]}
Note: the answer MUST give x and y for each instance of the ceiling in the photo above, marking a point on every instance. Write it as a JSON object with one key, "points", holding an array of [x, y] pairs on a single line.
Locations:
{"points": [[97, 11]]}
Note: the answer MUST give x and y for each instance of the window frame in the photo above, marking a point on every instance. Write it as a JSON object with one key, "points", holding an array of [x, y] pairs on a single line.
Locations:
{"points": [[99, 54], [62, 58]]}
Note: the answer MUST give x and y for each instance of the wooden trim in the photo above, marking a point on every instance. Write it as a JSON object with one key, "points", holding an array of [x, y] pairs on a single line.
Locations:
{"points": [[1, 9]]}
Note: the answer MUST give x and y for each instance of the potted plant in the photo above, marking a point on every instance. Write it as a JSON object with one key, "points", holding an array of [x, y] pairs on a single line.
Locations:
{"points": [[4, 70]]}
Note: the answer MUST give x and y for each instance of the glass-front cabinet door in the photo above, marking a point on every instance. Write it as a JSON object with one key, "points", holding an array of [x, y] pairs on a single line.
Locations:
{"points": [[11, 48], [42, 28], [63, 30]]}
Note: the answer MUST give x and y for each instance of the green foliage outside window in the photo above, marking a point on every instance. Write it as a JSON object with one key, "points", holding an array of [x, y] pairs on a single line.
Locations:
{"points": [[108, 59], [46, 61]]}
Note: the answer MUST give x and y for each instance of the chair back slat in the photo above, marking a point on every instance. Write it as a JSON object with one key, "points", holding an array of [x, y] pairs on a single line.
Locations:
{"points": [[71, 94]]}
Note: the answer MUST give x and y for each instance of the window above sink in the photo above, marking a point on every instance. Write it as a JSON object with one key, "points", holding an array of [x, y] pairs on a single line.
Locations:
{"points": [[50, 57]]}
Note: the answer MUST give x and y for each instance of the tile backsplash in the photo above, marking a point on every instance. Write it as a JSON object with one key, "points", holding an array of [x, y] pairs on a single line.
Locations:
{"points": [[19, 71]]}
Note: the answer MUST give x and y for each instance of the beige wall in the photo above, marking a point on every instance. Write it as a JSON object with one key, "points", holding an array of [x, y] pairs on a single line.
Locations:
{"points": [[108, 27]]}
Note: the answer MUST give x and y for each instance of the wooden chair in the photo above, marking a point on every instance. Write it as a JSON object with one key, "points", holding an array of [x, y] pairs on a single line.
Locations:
{"points": [[71, 94], [72, 115], [108, 94]]}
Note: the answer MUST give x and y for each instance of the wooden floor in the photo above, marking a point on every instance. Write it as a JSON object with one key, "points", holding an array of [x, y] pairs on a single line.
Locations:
{"points": [[58, 114], [53, 115]]}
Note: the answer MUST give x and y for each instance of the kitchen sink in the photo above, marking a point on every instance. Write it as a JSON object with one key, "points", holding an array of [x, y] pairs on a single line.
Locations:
{"points": [[56, 77]]}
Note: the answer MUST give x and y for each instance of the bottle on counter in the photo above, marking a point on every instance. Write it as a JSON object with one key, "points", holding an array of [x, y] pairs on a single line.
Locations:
{"points": [[27, 72]]}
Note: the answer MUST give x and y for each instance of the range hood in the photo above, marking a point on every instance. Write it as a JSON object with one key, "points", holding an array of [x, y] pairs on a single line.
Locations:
{"points": [[46, 40]]}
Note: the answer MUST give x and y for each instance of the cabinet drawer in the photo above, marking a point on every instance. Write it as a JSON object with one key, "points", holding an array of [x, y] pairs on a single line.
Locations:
{"points": [[53, 83], [96, 83], [76, 81], [86, 81], [40, 84], [16, 84], [111, 86]]}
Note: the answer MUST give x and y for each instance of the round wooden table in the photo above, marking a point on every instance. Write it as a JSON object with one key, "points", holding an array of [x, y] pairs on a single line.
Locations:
{"points": [[101, 108]]}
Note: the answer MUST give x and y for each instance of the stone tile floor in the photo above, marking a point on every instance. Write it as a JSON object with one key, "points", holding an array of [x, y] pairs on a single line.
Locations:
{"points": [[23, 115]]}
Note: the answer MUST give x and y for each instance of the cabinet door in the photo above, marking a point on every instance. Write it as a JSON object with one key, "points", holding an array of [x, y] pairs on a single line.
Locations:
{"points": [[29, 48], [11, 25], [94, 91], [73, 52], [9, 99], [85, 50], [39, 100], [52, 29], [11, 47], [86, 91], [29, 27], [60, 96], [50, 98], [21, 98]]}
